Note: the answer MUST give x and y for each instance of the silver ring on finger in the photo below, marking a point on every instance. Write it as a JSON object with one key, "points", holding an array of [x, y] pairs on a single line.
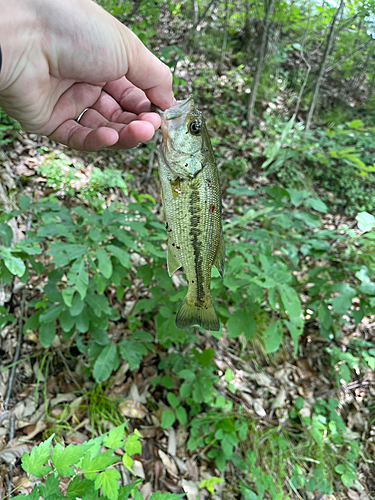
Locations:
{"points": [[81, 114]]}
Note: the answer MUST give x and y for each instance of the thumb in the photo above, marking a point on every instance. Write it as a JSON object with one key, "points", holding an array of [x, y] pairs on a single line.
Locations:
{"points": [[147, 72]]}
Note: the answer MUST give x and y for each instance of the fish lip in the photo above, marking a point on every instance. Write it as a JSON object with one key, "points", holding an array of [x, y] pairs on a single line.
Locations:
{"points": [[181, 108]]}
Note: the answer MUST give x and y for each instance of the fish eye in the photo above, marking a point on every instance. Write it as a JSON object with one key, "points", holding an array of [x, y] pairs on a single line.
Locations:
{"points": [[194, 128]]}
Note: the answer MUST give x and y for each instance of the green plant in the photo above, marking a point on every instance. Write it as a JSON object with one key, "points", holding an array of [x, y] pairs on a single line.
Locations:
{"points": [[86, 254], [208, 483], [273, 243], [63, 174], [306, 455], [86, 471], [8, 129], [338, 162], [100, 408]]}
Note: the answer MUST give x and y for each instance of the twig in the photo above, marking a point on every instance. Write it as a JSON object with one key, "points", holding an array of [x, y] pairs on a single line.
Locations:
{"points": [[13, 372], [16, 354]]}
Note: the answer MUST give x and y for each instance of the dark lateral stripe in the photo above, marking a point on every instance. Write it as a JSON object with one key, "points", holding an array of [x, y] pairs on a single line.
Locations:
{"points": [[195, 218]]}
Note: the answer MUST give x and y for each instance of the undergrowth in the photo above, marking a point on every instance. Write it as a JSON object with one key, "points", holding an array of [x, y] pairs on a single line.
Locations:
{"points": [[277, 252]]}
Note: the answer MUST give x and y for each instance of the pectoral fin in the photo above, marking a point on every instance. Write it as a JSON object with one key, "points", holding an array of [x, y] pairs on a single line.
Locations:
{"points": [[176, 187], [220, 256], [172, 262]]}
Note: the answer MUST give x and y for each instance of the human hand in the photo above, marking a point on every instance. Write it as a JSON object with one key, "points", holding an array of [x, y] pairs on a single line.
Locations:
{"points": [[60, 58]]}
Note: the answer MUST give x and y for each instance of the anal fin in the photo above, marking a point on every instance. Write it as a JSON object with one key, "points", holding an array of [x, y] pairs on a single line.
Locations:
{"points": [[220, 256], [172, 262]]}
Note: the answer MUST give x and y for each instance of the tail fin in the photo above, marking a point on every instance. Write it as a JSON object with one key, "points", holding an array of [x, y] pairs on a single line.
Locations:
{"points": [[204, 316]]}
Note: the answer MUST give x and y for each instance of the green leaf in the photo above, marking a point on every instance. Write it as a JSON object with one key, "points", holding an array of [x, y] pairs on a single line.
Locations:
{"points": [[365, 221], [6, 234], [132, 352], [104, 364], [63, 253], [290, 301], [121, 255], [187, 375], [33, 463], [14, 264], [324, 316], [127, 462], [133, 446], [67, 295], [309, 219], [48, 490], [272, 336], [316, 204], [51, 313], [47, 332], [344, 372], [295, 331], [95, 235], [100, 336], [167, 419], [296, 196], [247, 493], [206, 356], [347, 480], [98, 303], [368, 288], [78, 277], [340, 469], [90, 466], [101, 284], [62, 459], [181, 415], [342, 302], [78, 487], [32, 323], [77, 305], [83, 320], [355, 124], [115, 438], [172, 400], [66, 321], [24, 202], [104, 263], [158, 495], [107, 480], [241, 321], [125, 491]]}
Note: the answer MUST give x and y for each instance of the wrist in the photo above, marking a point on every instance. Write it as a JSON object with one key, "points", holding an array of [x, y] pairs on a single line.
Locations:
{"points": [[19, 30]]}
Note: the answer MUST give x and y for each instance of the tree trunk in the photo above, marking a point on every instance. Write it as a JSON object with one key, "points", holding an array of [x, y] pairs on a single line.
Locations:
{"points": [[195, 10], [193, 30], [258, 71], [225, 38], [323, 64]]}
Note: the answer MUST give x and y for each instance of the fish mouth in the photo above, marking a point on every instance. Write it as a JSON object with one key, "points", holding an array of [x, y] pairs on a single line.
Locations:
{"points": [[180, 109]]}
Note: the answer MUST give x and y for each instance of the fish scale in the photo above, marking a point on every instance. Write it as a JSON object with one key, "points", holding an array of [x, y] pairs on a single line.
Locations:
{"points": [[192, 206]]}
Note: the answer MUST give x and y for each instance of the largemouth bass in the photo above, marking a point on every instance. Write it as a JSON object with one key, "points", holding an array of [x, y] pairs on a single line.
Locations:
{"points": [[192, 206]]}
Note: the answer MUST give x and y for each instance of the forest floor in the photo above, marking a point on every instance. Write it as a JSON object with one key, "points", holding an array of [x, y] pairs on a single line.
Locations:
{"points": [[51, 391]]}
